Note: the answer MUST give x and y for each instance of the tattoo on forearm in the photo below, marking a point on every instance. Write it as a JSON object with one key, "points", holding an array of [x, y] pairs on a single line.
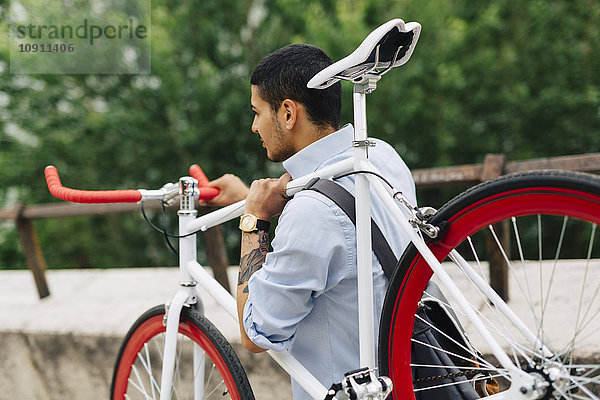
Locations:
{"points": [[252, 257]]}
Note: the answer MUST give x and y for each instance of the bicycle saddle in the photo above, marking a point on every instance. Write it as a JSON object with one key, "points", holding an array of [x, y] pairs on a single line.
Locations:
{"points": [[388, 46]]}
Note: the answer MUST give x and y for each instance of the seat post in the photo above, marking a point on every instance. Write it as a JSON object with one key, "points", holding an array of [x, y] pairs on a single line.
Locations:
{"points": [[367, 84], [366, 321]]}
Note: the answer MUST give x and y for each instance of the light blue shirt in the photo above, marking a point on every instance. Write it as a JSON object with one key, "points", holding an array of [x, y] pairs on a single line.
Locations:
{"points": [[304, 298]]}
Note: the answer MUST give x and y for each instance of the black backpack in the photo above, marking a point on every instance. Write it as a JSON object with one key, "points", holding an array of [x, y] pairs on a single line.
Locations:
{"points": [[433, 317]]}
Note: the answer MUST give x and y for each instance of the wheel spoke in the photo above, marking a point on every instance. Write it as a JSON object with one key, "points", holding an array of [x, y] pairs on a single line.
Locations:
{"points": [[198, 374], [219, 385], [140, 385], [526, 352], [501, 320], [558, 249], [505, 375], [153, 383], [585, 380], [212, 370], [507, 335], [541, 275], [528, 297], [476, 356], [145, 361], [578, 329], [590, 320], [510, 265], [462, 382], [460, 367], [587, 391]]}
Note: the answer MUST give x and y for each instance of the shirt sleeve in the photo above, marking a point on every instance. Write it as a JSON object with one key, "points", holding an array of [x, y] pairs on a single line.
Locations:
{"points": [[310, 254]]}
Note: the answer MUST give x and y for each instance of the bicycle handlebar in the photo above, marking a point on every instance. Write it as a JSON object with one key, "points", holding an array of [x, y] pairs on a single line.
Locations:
{"points": [[87, 196], [116, 196], [197, 173], [204, 191]]}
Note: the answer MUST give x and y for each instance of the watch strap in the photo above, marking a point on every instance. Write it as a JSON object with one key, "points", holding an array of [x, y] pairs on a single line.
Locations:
{"points": [[262, 225]]}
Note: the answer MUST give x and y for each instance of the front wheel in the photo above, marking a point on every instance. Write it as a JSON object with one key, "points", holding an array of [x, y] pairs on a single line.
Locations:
{"points": [[206, 366], [540, 229]]}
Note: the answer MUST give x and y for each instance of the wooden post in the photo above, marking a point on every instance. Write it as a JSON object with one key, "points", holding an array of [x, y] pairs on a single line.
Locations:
{"points": [[215, 251], [33, 252], [493, 167], [217, 256], [497, 263]]}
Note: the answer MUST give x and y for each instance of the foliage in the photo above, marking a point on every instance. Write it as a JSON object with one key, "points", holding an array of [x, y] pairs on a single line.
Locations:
{"points": [[502, 76]]}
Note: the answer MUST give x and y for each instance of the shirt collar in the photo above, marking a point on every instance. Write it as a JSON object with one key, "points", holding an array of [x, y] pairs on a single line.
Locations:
{"points": [[310, 158]]}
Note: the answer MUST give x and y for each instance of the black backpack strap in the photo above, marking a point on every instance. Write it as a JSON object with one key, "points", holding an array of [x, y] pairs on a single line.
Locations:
{"points": [[345, 201]]}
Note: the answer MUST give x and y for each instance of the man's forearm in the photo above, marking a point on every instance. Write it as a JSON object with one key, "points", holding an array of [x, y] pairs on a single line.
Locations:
{"points": [[255, 246]]}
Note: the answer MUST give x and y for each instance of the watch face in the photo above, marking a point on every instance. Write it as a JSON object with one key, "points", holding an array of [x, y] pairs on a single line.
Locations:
{"points": [[248, 223]]}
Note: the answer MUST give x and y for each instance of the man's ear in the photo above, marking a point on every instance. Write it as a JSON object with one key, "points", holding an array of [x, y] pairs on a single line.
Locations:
{"points": [[289, 110]]}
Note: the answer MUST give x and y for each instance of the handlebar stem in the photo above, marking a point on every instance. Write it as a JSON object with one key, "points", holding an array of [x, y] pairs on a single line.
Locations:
{"points": [[188, 192]]}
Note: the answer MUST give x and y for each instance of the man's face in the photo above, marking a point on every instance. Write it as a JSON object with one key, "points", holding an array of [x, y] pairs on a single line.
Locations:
{"points": [[268, 126]]}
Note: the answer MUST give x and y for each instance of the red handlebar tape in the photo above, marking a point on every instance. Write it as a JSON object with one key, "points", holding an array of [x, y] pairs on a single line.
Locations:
{"points": [[205, 192], [87, 196], [197, 173]]}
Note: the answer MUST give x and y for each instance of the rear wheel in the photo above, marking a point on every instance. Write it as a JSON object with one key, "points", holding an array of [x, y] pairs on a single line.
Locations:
{"points": [[206, 367], [542, 227]]}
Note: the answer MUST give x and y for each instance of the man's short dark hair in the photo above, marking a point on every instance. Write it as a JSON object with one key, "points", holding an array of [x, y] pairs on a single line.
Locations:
{"points": [[284, 74]]}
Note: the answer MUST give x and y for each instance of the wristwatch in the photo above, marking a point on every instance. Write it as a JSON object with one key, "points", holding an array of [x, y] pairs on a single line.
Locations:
{"points": [[250, 223]]}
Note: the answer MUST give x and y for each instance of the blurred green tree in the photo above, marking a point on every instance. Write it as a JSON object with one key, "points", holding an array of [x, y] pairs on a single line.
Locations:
{"points": [[503, 76]]}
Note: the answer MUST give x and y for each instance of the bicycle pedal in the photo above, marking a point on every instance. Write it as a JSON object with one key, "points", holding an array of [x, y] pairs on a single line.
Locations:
{"points": [[362, 384]]}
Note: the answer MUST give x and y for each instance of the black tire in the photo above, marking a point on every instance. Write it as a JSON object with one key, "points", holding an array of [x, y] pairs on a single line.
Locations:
{"points": [[567, 207], [141, 354]]}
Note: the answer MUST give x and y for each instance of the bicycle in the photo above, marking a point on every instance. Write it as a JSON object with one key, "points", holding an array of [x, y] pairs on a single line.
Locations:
{"points": [[524, 356]]}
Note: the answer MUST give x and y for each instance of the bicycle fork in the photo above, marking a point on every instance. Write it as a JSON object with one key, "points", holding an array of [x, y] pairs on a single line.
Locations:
{"points": [[173, 313]]}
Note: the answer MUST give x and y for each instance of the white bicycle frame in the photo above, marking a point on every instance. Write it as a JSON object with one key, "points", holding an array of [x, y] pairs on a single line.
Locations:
{"points": [[192, 273]]}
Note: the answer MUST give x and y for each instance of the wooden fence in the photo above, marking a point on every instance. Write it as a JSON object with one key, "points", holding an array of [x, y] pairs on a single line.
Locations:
{"points": [[493, 166], [23, 216]]}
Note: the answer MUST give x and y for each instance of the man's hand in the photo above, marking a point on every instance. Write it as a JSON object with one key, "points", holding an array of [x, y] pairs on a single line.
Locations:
{"points": [[232, 190], [267, 197]]}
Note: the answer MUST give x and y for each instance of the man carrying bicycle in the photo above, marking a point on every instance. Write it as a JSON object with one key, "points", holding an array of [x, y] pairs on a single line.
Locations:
{"points": [[302, 296]]}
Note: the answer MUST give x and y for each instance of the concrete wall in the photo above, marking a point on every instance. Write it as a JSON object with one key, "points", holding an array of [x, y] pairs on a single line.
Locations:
{"points": [[43, 366], [64, 346]]}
